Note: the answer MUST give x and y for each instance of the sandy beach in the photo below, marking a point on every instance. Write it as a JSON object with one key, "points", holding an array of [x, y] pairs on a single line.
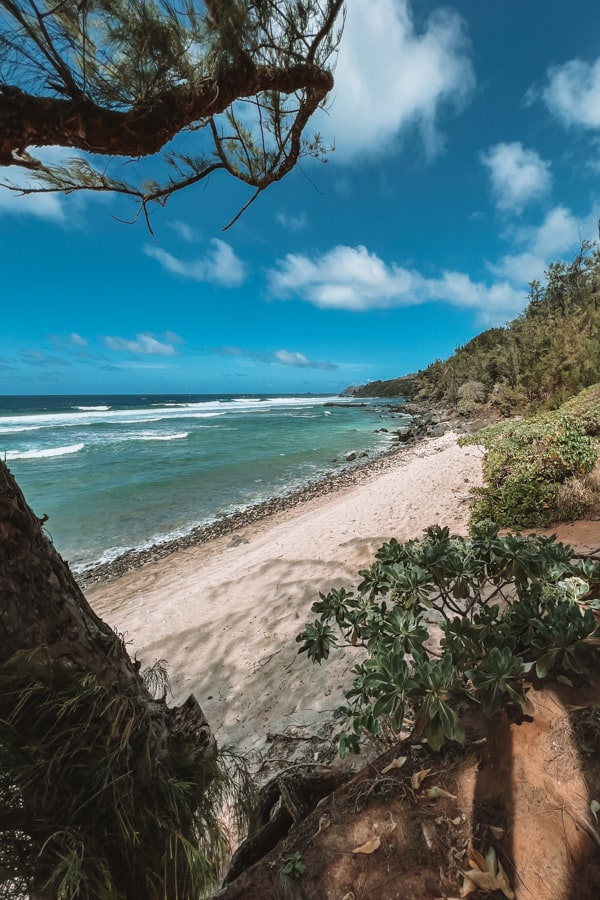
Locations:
{"points": [[225, 614]]}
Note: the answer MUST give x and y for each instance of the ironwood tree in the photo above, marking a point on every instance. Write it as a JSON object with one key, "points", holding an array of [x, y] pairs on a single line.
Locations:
{"points": [[201, 86], [105, 791]]}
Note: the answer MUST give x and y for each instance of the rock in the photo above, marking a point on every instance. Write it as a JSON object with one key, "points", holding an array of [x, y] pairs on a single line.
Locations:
{"points": [[350, 457], [436, 430]]}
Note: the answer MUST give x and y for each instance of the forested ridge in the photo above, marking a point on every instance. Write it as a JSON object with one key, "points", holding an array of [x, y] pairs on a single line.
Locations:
{"points": [[546, 355]]}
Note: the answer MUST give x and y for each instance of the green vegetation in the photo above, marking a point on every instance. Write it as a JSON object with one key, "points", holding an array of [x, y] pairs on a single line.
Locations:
{"points": [[544, 356], [507, 606], [396, 387], [540, 359], [294, 866], [537, 470], [88, 809]]}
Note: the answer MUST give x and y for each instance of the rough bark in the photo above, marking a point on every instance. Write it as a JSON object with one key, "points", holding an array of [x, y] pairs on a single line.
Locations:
{"points": [[46, 621], [27, 120]]}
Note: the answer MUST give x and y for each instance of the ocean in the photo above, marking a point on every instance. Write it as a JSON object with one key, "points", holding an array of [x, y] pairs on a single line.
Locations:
{"points": [[116, 473]]}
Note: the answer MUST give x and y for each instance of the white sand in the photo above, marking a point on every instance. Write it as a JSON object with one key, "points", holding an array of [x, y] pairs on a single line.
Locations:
{"points": [[225, 614]]}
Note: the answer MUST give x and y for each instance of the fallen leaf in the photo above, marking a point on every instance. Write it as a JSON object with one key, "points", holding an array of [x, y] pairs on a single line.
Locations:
{"points": [[395, 764], [468, 887], [417, 778], [484, 881], [498, 833], [429, 833], [349, 896], [564, 680], [595, 808], [487, 874], [502, 882], [477, 860], [370, 846], [434, 792]]}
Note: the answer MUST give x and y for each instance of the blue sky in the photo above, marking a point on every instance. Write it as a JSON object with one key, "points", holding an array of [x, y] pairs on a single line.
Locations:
{"points": [[467, 158]]}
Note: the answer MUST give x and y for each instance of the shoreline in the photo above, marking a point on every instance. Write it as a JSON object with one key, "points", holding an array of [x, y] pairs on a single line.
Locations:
{"points": [[224, 614], [348, 476]]}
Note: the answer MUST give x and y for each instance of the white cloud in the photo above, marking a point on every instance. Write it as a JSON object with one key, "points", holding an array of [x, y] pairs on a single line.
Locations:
{"points": [[49, 206], [279, 357], [293, 223], [518, 175], [40, 206], [353, 279], [77, 340], [391, 76], [186, 232], [560, 233], [219, 265], [144, 343], [572, 93]]}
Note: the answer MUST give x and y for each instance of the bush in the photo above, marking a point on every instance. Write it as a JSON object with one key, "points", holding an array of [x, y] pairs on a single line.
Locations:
{"points": [[525, 465], [506, 605]]}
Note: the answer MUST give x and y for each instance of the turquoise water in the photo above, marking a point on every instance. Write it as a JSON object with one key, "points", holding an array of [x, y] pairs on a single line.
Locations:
{"points": [[117, 473]]}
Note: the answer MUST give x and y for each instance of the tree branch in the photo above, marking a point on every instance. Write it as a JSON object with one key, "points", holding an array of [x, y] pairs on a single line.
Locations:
{"points": [[27, 120]]}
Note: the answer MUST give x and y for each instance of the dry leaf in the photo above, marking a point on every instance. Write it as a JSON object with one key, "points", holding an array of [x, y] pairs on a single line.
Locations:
{"points": [[370, 846], [595, 808], [457, 820], [349, 896], [477, 860], [434, 792], [417, 778], [429, 833], [564, 680], [395, 764], [486, 875], [468, 887], [502, 882], [484, 881], [498, 833]]}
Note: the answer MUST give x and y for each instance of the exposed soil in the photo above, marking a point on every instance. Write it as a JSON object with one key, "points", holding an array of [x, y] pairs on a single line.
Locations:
{"points": [[523, 791], [520, 816]]}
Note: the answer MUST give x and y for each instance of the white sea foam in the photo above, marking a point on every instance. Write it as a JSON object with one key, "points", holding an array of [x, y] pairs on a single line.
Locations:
{"points": [[111, 416], [150, 436], [48, 453], [92, 408]]}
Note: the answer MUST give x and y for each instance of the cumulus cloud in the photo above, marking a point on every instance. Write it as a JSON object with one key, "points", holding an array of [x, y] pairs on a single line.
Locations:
{"points": [[352, 278], [278, 357], [518, 175], [219, 265], [392, 75], [572, 93], [143, 343], [559, 233]]}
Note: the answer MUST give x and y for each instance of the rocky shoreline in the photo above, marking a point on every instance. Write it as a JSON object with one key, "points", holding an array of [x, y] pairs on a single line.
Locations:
{"points": [[427, 422]]}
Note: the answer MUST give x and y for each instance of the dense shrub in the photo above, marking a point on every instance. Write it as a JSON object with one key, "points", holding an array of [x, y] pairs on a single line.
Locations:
{"points": [[506, 606], [525, 465]]}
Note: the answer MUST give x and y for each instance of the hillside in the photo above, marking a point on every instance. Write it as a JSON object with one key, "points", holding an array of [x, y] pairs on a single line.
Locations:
{"points": [[544, 356]]}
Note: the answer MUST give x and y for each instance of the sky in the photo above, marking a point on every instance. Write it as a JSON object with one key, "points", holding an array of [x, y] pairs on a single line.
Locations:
{"points": [[467, 158]]}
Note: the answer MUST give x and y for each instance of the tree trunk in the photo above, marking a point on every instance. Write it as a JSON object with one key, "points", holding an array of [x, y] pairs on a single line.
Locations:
{"points": [[71, 703]]}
